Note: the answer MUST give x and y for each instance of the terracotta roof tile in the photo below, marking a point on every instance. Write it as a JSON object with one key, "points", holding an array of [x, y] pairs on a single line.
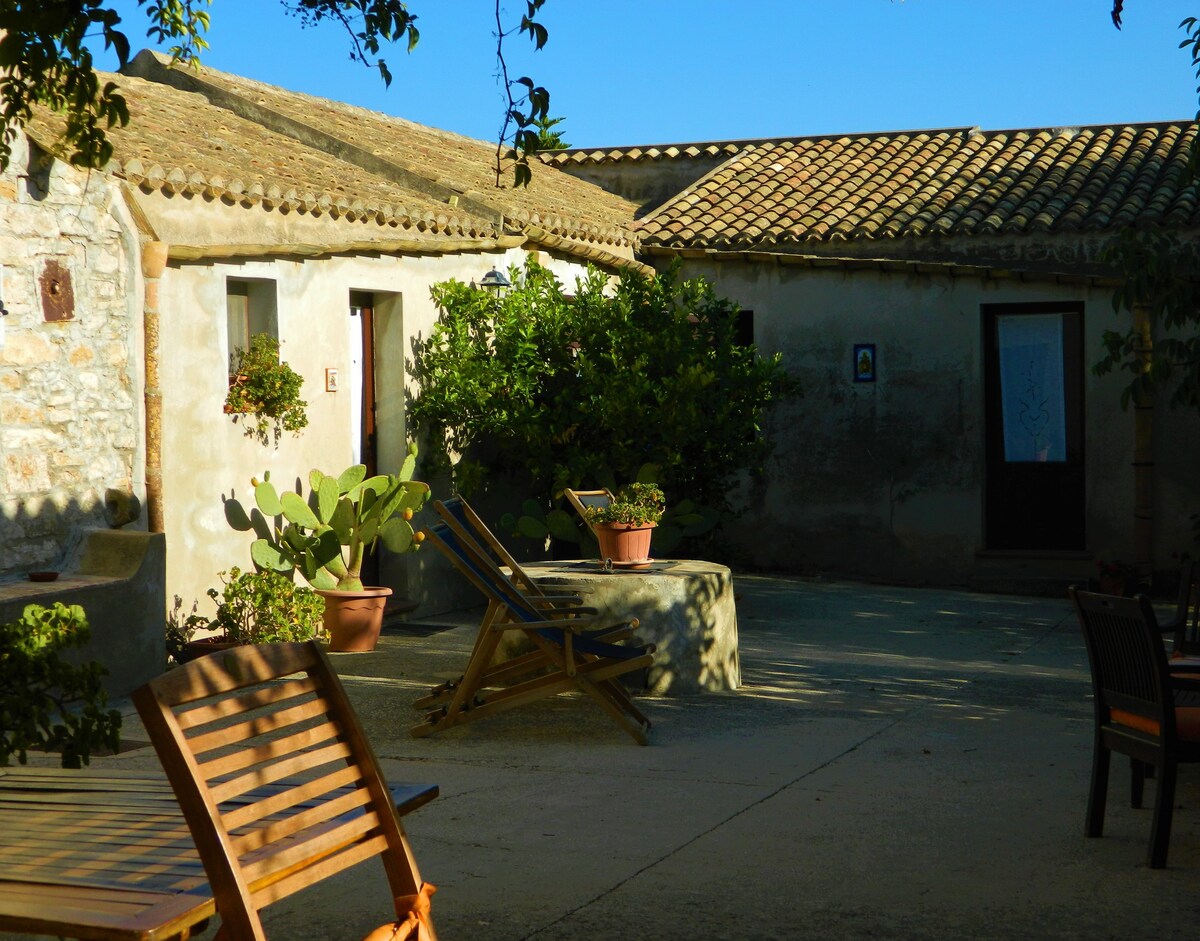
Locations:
{"points": [[178, 141], [566, 206], [929, 183]]}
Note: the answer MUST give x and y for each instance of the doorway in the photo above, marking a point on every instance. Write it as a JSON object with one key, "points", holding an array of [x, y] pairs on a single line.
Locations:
{"points": [[1033, 387], [361, 381]]}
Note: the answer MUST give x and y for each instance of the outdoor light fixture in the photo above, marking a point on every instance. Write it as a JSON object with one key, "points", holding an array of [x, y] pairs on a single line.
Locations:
{"points": [[495, 281]]}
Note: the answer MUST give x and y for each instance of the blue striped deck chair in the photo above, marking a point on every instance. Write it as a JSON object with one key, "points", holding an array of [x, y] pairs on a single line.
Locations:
{"points": [[570, 650], [464, 521]]}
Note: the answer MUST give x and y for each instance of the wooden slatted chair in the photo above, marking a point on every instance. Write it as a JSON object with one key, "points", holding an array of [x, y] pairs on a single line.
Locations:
{"points": [[571, 650], [1138, 709], [1184, 624], [227, 724]]}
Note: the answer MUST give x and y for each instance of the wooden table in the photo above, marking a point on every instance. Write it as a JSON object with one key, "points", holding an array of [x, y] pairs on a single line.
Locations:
{"points": [[80, 850]]}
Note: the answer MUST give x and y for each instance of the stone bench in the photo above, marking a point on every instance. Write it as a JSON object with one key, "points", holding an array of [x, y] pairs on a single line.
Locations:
{"points": [[686, 609], [118, 577]]}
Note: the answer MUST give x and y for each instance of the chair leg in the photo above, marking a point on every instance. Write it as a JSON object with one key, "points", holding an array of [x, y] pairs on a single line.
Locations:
{"points": [[1137, 782], [1164, 808], [1098, 790]]}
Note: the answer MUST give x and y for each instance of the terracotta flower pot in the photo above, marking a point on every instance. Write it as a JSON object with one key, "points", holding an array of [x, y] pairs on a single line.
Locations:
{"points": [[622, 542], [203, 646], [353, 618]]}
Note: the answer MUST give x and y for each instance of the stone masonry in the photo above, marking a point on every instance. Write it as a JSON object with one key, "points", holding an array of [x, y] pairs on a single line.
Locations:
{"points": [[69, 390]]}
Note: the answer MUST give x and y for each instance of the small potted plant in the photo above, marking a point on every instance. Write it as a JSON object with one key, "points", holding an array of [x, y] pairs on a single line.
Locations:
{"points": [[264, 392], [255, 607], [624, 527], [1114, 576], [326, 536]]}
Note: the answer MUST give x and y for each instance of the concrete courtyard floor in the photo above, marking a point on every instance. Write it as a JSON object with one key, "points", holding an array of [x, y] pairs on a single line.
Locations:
{"points": [[898, 764]]}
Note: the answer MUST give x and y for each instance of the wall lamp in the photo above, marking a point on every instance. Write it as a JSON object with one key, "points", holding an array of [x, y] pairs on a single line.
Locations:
{"points": [[495, 281]]}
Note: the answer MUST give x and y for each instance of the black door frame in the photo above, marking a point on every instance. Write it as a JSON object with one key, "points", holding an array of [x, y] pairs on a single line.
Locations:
{"points": [[1029, 505]]}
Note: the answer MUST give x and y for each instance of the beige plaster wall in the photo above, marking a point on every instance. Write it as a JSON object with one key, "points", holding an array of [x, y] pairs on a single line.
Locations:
{"points": [[71, 390], [884, 480], [206, 458]]}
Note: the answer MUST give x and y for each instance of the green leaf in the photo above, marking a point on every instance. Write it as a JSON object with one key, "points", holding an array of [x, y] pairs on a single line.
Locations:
{"points": [[327, 493], [295, 510], [351, 477], [562, 525], [343, 521], [397, 535], [531, 528], [267, 499], [266, 556]]}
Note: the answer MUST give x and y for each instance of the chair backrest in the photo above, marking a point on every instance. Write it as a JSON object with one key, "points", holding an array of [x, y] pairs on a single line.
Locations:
{"points": [[582, 500], [467, 522], [1128, 662], [477, 564], [274, 776], [1187, 609]]}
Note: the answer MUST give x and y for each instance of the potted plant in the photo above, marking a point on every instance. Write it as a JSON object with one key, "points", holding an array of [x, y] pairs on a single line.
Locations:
{"points": [[1114, 577], [624, 527], [254, 607], [325, 537], [264, 393]]}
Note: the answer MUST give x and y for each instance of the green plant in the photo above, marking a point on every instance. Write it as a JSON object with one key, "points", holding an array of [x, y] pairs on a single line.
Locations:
{"points": [[181, 628], [264, 392], [561, 390], [46, 701], [637, 504], [325, 538], [265, 608]]}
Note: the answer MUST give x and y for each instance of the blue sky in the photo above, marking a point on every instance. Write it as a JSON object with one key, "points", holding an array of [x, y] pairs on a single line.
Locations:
{"points": [[659, 71]]}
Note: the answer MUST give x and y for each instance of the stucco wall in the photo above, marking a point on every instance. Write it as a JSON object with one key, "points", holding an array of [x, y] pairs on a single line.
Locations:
{"points": [[885, 479], [70, 390], [206, 457]]}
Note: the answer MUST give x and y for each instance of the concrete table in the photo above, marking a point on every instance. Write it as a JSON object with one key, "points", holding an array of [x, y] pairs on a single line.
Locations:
{"points": [[686, 610]]}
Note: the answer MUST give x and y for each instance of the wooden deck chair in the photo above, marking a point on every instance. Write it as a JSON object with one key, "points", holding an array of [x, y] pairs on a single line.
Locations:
{"points": [[1140, 707], [226, 724], [468, 526], [464, 520], [583, 500], [571, 651]]}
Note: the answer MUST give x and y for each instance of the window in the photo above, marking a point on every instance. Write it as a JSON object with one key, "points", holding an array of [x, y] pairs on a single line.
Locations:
{"points": [[250, 309]]}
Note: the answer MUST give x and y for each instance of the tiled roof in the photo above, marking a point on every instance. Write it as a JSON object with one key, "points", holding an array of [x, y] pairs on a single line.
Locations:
{"points": [[788, 195], [554, 202], [431, 186], [646, 152], [178, 143]]}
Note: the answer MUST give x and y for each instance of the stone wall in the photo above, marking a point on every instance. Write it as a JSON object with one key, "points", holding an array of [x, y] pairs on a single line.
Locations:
{"points": [[70, 409]]}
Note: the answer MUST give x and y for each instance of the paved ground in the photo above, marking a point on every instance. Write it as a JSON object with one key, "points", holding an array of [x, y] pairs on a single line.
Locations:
{"points": [[899, 764]]}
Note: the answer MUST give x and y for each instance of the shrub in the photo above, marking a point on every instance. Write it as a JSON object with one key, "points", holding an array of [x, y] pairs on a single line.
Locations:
{"points": [[569, 391], [46, 702], [265, 608]]}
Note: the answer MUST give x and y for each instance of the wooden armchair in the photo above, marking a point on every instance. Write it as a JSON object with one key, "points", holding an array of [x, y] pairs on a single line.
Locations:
{"points": [[277, 782], [1137, 711], [1184, 624]]}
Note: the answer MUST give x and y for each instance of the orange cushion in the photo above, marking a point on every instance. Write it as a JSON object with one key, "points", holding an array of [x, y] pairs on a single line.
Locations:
{"points": [[1187, 722]]}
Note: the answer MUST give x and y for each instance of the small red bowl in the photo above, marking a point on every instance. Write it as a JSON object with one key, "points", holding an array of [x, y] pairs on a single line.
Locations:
{"points": [[43, 576]]}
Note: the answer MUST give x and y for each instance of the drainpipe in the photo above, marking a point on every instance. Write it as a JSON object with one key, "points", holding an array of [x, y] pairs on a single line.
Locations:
{"points": [[1143, 448], [154, 262]]}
